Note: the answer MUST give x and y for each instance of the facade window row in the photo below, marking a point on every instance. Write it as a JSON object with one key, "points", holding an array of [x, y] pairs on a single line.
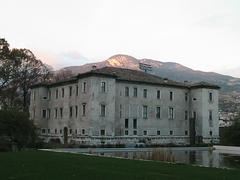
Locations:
{"points": [[60, 131], [134, 123], [158, 112], [73, 111], [103, 132], [145, 132], [58, 112], [171, 113], [62, 92], [145, 93], [103, 89]]}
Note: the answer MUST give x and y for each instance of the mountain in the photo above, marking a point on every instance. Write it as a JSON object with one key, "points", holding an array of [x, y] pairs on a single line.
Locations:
{"points": [[169, 70]]}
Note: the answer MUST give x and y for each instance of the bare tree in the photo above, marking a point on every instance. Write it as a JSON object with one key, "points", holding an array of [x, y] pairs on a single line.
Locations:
{"points": [[19, 69], [63, 74]]}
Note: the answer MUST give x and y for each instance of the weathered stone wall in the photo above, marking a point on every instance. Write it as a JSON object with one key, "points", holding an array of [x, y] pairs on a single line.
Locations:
{"points": [[87, 128]]}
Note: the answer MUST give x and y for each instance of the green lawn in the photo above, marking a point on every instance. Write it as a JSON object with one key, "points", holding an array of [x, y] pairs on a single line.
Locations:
{"points": [[36, 165]]}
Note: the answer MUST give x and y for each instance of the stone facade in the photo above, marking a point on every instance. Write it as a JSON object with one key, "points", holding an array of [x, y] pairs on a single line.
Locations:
{"points": [[118, 106]]}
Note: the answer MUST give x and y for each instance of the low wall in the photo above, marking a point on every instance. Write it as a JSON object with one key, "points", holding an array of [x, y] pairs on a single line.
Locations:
{"points": [[98, 140]]}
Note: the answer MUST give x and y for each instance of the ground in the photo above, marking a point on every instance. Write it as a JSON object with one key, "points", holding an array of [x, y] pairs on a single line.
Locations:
{"points": [[39, 165]]}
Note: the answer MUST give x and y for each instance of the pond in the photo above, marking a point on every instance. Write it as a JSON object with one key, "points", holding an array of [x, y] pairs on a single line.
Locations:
{"points": [[195, 156], [201, 156]]}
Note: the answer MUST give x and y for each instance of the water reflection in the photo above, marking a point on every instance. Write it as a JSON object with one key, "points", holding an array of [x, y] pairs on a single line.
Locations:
{"points": [[205, 158]]}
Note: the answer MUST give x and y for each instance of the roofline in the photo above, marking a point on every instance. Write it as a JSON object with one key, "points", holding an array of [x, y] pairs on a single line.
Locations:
{"points": [[152, 83], [72, 80], [38, 85], [174, 85], [91, 73], [58, 83], [205, 86]]}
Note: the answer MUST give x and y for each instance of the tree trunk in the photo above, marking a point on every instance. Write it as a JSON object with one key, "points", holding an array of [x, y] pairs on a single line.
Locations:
{"points": [[25, 91]]}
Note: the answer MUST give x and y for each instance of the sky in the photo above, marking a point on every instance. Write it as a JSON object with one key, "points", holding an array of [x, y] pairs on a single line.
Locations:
{"points": [[200, 34]]}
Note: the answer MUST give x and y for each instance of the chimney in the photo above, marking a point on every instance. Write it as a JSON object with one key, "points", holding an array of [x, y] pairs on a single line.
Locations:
{"points": [[94, 67]]}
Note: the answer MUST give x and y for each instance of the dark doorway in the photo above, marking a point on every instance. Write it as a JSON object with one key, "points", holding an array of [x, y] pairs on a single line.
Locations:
{"points": [[65, 133]]}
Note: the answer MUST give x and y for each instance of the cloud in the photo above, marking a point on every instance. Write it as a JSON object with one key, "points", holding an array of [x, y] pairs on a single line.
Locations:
{"points": [[62, 59], [219, 20]]}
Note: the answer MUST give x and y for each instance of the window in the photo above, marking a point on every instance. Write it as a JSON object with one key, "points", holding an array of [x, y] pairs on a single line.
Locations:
{"points": [[56, 93], [84, 109], [76, 111], [70, 111], [76, 90], [186, 115], [120, 112], [126, 123], [55, 131], [158, 133], [44, 113], [135, 92], [103, 87], [70, 91], [145, 112], [210, 97], [34, 95], [145, 93], [102, 132], [56, 112], [126, 132], [34, 113], [49, 94], [103, 110], [49, 131], [210, 133], [171, 113], [171, 132], [83, 131], [126, 91], [186, 133], [135, 132], [144, 133], [158, 94], [61, 112], [186, 96], [210, 117], [76, 131], [60, 131], [84, 84], [158, 112], [48, 113], [43, 131], [70, 131], [171, 95], [62, 92], [44, 97], [194, 115], [134, 123]]}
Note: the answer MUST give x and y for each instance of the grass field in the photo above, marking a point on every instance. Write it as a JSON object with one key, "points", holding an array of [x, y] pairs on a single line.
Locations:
{"points": [[39, 165]]}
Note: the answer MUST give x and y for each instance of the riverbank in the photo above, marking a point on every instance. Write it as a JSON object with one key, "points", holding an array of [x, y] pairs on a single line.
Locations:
{"points": [[28, 165]]}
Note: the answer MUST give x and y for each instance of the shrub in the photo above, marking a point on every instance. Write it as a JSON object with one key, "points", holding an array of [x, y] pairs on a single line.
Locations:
{"points": [[231, 135], [16, 127]]}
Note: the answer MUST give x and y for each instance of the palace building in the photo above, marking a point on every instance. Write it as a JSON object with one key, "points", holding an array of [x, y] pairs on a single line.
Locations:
{"points": [[123, 106]]}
